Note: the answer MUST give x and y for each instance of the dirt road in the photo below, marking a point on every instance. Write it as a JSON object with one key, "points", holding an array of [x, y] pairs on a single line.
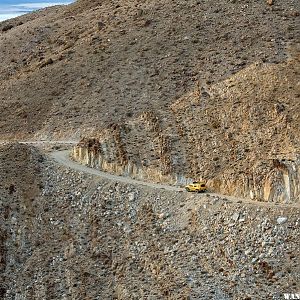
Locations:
{"points": [[63, 158]]}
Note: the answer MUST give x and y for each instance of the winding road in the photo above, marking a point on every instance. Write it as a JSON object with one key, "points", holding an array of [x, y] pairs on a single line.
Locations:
{"points": [[63, 158]]}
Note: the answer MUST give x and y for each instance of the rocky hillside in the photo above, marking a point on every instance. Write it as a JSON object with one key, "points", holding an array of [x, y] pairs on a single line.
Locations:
{"points": [[71, 71], [240, 134], [206, 89], [69, 235], [164, 91]]}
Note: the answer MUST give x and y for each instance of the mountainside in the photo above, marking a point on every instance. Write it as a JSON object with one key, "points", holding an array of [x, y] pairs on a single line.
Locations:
{"points": [[70, 71], [69, 235], [161, 93], [206, 89], [241, 134]]}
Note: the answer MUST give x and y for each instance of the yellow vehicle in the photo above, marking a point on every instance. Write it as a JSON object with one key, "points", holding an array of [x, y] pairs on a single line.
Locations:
{"points": [[196, 186]]}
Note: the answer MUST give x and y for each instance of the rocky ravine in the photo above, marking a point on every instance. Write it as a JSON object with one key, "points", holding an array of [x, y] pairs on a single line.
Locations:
{"points": [[69, 235]]}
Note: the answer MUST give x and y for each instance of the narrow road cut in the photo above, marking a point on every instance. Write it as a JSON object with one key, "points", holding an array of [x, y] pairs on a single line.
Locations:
{"points": [[63, 158]]}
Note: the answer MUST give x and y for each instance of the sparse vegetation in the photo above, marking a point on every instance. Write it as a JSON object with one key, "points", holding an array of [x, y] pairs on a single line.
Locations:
{"points": [[162, 92]]}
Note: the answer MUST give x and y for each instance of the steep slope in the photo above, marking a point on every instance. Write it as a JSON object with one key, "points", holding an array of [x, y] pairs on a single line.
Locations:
{"points": [[241, 134], [69, 71], [76, 236], [20, 187]]}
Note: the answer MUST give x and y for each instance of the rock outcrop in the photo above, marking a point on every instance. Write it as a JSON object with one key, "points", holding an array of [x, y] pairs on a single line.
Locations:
{"points": [[138, 149], [246, 149], [269, 180]]}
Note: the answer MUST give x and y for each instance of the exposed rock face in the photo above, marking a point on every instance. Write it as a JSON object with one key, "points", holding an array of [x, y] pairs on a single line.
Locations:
{"points": [[139, 149], [245, 149], [269, 180]]}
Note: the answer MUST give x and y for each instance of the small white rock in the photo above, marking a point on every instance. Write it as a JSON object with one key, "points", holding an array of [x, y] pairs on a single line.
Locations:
{"points": [[281, 220], [235, 216]]}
